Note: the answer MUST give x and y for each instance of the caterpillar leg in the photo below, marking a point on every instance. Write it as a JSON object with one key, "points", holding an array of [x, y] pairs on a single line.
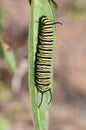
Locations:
{"points": [[50, 97], [41, 100]]}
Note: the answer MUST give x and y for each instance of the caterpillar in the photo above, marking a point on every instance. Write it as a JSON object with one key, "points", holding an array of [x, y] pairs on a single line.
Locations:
{"points": [[44, 54]]}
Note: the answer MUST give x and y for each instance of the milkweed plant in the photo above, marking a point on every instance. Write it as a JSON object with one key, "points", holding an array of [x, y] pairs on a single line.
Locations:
{"points": [[40, 114], [6, 52]]}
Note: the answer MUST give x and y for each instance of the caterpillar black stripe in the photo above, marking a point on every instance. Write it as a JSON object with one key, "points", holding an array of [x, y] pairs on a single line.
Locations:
{"points": [[43, 62]]}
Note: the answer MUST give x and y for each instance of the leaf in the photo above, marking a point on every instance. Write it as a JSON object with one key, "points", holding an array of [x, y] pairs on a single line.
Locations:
{"points": [[7, 53], [54, 4], [40, 115]]}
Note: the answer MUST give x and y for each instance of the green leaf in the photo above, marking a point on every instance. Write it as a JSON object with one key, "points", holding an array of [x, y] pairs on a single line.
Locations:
{"points": [[54, 4], [7, 53], [40, 115]]}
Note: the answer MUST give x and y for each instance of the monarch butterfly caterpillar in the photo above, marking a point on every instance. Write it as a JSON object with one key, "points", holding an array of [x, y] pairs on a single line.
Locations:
{"points": [[44, 55]]}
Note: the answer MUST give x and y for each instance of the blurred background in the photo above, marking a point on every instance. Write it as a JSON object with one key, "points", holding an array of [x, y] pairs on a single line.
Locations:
{"points": [[68, 110]]}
